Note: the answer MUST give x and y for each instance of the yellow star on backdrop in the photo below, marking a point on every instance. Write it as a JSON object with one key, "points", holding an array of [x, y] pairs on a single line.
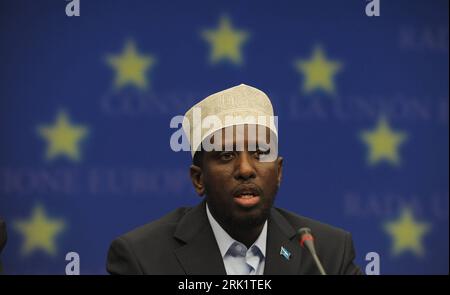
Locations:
{"points": [[383, 143], [318, 71], [39, 232], [63, 138], [225, 42], [407, 234], [131, 67]]}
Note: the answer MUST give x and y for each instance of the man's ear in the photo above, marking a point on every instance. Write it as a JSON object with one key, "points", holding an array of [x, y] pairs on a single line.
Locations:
{"points": [[197, 179], [280, 169]]}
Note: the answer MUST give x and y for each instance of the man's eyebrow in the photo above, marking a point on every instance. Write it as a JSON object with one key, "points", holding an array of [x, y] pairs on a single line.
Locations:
{"points": [[264, 148]]}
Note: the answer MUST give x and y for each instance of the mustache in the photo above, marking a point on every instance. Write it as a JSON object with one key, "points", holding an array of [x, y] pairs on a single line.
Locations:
{"points": [[247, 189]]}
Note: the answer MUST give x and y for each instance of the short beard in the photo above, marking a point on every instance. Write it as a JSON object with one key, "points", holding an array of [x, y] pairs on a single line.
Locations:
{"points": [[229, 220], [251, 221]]}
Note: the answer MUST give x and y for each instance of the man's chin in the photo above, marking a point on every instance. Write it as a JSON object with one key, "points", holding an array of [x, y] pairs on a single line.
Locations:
{"points": [[250, 218]]}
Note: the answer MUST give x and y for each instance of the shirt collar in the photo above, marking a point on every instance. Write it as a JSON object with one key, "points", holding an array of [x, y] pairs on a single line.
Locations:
{"points": [[225, 241]]}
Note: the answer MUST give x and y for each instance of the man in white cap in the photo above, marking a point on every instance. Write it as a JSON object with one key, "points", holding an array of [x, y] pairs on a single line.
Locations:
{"points": [[235, 229]]}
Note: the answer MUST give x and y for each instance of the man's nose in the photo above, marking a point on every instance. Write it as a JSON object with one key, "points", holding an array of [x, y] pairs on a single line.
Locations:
{"points": [[245, 169]]}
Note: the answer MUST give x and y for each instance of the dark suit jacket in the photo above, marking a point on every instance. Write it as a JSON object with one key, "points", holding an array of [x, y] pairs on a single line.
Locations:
{"points": [[183, 242]]}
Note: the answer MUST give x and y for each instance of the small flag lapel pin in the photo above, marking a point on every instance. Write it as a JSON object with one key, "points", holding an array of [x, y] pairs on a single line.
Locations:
{"points": [[285, 253]]}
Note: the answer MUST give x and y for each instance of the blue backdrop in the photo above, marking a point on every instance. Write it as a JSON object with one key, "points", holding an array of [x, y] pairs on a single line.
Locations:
{"points": [[86, 101]]}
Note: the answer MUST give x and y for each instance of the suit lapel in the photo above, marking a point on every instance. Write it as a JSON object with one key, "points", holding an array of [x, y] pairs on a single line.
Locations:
{"points": [[281, 234], [200, 254]]}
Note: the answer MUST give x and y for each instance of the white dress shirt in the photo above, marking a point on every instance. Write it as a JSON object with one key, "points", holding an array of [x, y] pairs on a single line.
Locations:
{"points": [[239, 260]]}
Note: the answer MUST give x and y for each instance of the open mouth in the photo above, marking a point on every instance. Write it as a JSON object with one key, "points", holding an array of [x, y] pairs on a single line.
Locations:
{"points": [[247, 196]]}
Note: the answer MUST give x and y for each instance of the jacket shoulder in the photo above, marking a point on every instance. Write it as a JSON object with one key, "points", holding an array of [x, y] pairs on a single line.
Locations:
{"points": [[163, 226], [148, 248], [334, 246], [317, 227]]}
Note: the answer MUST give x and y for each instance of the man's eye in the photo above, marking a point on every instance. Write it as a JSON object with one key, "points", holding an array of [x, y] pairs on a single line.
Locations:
{"points": [[261, 152], [226, 156]]}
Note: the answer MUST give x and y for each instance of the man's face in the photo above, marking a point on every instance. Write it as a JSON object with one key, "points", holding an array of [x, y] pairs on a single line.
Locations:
{"points": [[240, 187]]}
